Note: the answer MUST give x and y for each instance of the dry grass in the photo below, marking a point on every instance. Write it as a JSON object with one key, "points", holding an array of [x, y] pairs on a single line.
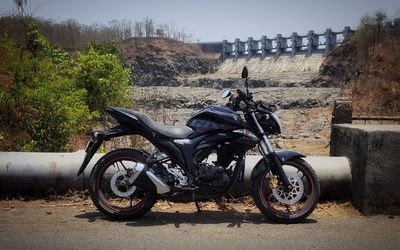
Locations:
{"points": [[159, 46], [375, 97], [376, 91]]}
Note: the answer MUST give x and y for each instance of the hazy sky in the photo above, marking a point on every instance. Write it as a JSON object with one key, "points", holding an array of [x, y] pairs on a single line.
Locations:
{"points": [[214, 20]]}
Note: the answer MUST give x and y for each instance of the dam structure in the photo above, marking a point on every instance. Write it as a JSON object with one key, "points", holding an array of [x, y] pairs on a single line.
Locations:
{"points": [[321, 43], [281, 57]]}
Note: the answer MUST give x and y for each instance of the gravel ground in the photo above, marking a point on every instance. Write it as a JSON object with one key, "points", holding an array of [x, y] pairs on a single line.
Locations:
{"points": [[70, 224]]}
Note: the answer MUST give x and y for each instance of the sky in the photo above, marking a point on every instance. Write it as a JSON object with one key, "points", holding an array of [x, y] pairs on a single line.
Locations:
{"points": [[215, 20]]}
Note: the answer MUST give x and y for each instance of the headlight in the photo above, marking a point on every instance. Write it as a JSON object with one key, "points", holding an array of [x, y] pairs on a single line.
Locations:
{"points": [[270, 123]]}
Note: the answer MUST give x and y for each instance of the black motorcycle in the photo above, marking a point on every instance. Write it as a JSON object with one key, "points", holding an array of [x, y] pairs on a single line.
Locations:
{"points": [[125, 183]]}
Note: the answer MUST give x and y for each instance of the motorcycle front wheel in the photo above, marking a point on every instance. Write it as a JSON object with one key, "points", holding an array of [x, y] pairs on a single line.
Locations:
{"points": [[115, 200], [287, 207]]}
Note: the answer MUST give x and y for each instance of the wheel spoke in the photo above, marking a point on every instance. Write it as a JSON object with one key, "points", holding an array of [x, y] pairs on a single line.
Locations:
{"points": [[108, 192], [271, 198], [123, 165], [104, 179], [115, 165]]}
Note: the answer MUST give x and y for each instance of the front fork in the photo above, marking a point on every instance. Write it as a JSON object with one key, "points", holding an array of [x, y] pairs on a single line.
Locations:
{"points": [[268, 152]]}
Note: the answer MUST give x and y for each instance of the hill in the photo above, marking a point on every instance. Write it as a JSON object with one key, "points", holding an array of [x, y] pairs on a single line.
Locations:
{"points": [[370, 74], [161, 61]]}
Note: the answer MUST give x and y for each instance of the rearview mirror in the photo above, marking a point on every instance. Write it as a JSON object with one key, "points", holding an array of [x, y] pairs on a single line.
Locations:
{"points": [[245, 72], [226, 93]]}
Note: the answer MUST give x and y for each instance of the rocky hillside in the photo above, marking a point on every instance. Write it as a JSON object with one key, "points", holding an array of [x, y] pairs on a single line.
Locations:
{"points": [[161, 61], [371, 76], [340, 66], [166, 62], [346, 63]]}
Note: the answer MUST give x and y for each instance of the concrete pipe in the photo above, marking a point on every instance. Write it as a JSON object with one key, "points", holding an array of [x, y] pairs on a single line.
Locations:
{"points": [[39, 172], [333, 172]]}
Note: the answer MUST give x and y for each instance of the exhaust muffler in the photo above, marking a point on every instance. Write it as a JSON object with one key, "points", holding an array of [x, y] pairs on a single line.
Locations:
{"points": [[144, 177]]}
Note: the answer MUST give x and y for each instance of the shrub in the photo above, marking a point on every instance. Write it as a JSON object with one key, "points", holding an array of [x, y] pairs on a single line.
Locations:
{"points": [[370, 33], [104, 78], [39, 102], [50, 96], [54, 109], [105, 48]]}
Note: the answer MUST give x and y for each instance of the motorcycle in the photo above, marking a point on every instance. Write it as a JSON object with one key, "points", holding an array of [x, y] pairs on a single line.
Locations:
{"points": [[126, 183]]}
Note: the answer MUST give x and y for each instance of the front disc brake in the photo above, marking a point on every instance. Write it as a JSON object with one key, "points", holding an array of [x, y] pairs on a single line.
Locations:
{"points": [[290, 198]]}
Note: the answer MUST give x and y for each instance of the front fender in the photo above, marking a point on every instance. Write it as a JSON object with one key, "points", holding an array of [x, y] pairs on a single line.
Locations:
{"points": [[262, 165], [287, 155]]}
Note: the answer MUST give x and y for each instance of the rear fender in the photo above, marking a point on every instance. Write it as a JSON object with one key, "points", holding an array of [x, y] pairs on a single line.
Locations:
{"points": [[98, 138], [263, 165]]}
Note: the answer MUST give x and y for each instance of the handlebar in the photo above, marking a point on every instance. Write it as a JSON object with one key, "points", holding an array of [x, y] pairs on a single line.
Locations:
{"points": [[235, 103]]}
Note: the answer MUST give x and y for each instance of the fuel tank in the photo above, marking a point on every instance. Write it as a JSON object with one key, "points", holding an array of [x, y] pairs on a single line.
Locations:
{"points": [[214, 118]]}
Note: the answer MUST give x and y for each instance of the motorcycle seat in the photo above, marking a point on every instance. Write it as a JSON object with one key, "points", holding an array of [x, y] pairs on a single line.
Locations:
{"points": [[172, 131]]}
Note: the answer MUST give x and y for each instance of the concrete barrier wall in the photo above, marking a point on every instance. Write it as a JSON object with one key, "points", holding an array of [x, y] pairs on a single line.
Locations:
{"points": [[39, 172], [374, 154]]}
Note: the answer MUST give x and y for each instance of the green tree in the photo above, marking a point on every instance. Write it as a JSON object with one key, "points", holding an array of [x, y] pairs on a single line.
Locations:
{"points": [[105, 48], [104, 77], [39, 102], [369, 35], [50, 96], [54, 109], [370, 32]]}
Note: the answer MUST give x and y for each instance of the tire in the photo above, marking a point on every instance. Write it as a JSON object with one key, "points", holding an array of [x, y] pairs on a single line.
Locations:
{"points": [[270, 206], [105, 199]]}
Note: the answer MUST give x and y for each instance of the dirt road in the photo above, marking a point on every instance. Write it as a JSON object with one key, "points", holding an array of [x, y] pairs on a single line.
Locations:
{"points": [[55, 225]]}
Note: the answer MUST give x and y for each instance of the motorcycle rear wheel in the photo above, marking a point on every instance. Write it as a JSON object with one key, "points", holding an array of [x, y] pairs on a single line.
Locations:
{"points": [[103, 194], [278, 208]]}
